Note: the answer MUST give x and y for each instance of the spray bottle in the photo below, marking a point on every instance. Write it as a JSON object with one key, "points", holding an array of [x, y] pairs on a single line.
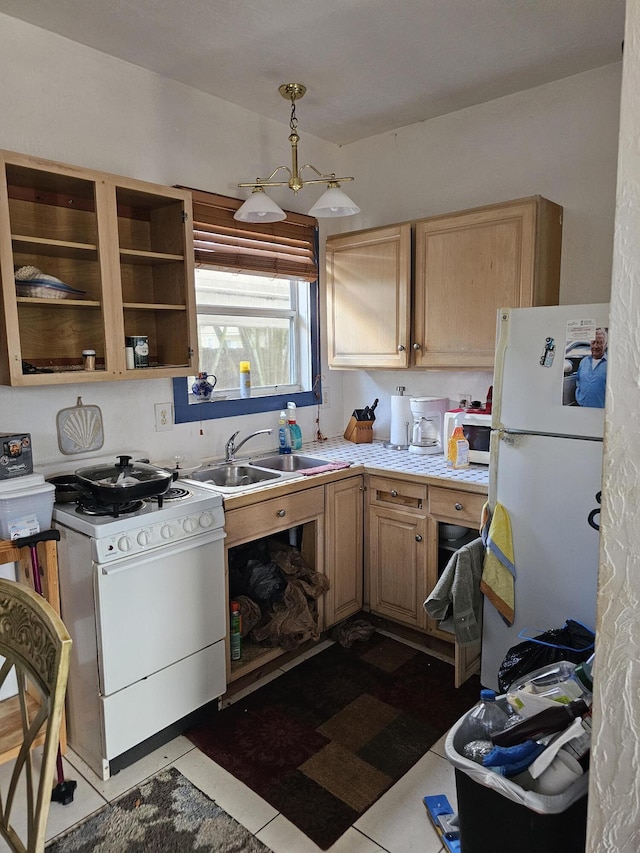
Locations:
{"points": [[458, 447]]}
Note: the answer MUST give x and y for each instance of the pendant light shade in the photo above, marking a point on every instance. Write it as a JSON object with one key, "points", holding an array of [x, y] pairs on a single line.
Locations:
{"points": [[333, 202], [259, 208]]}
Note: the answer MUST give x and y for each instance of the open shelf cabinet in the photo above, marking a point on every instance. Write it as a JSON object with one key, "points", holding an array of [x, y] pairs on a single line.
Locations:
{"points": [[125, 245]]}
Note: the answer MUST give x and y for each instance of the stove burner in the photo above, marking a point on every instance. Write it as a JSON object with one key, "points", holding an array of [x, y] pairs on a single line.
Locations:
{"points": [[94, 508], [175, 493]]}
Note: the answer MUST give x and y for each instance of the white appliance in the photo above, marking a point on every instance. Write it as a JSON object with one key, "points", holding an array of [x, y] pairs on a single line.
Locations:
{"points": [[143, 597], [477, 430], [426, 431], [546, 470]]}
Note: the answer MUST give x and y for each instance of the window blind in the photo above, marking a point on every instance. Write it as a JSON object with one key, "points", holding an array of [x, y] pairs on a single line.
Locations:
{"points": [[285, 249]]}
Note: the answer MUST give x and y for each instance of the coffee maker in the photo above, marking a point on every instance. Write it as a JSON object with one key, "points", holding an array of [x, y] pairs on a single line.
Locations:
{"points": [[428, 421]]}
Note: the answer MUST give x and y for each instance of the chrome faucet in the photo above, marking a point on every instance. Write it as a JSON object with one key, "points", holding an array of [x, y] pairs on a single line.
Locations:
{"points": [[230, 448]]}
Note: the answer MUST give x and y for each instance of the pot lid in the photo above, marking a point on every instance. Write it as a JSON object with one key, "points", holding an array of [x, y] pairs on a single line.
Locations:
{"points": [[124, 473]]}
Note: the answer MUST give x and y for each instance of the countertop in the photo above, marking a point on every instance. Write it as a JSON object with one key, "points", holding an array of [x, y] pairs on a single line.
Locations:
{"points": [[377, 456], [376, 459]]}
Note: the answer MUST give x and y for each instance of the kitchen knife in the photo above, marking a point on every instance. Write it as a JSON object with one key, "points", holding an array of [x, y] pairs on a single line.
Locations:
{"points": [[368, 412]]}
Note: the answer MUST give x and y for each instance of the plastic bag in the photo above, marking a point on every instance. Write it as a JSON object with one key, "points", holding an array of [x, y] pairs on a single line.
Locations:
{"points": [[573, 642]]}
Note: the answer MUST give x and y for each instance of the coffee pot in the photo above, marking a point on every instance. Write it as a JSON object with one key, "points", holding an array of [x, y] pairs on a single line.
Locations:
{"points": [[427, 428]]}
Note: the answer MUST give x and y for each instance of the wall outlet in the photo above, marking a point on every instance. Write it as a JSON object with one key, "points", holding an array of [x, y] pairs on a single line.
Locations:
{"points": [[164, 416], [325, 396]]}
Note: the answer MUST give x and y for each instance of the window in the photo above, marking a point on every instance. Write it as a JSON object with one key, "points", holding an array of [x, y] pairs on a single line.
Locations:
{"points": [[256, 301]]}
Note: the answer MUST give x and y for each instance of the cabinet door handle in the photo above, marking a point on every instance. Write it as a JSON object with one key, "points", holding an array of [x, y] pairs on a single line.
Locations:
{"points": [[401, 348], [281, 513], [458, 507], [394, 494], [416, 346], [418, 537]]}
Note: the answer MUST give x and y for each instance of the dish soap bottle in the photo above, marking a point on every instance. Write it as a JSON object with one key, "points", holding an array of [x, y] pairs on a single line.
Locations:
{"points": [[294, 429], [284, 434], [458, 447]]}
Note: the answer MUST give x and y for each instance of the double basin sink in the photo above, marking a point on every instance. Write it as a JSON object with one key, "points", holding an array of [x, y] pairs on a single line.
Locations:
{"points": [[239, 476]]}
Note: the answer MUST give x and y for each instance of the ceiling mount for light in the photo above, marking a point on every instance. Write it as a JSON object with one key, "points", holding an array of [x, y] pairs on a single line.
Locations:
{"points": [[260, 208]]}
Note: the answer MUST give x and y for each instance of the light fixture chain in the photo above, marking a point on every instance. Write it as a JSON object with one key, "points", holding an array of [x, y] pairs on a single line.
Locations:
{"points": [[293, 121]]}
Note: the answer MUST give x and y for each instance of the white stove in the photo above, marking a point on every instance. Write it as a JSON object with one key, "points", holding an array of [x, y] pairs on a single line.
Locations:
{"points": [[143, 595], [197, 511]]}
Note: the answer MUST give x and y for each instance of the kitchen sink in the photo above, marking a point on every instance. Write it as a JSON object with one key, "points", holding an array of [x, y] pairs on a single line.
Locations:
{"points": [[233, 475], [288, 462]]}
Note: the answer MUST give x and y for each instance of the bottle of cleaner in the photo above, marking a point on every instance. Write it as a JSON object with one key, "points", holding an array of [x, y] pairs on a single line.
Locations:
{"points": [[458, 447], [236, 631], [245, 379], [294, 429], [284, 433]]}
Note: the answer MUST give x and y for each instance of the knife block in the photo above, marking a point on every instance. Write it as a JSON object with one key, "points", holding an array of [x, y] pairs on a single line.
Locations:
{"points": [[359, 432]]}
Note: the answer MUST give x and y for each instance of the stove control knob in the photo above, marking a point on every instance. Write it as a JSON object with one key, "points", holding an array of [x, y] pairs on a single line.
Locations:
{"points": [[144, 537], [189, 525], [206, 519], [166, 531], [124, 544]]}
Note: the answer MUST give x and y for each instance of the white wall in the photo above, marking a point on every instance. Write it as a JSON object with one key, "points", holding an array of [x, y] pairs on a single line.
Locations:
{"points": [[614, 795], [65, 102]]}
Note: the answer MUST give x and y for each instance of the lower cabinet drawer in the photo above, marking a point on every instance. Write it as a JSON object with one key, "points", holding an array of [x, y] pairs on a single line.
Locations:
{"points": [[456, 506], [271, 515], [401, 494]]}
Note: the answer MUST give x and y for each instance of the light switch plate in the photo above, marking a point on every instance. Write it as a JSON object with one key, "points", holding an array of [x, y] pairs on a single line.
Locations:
{"points": [[164, 416]]}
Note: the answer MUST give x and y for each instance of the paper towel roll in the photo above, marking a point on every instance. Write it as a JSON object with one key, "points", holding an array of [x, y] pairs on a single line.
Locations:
{"points": [[400, 433]]}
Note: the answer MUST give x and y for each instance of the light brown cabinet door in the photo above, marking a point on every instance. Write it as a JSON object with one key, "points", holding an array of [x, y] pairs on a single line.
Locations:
{"points": [[397, 565], [343, 549], [470, 264], [369, 298]]}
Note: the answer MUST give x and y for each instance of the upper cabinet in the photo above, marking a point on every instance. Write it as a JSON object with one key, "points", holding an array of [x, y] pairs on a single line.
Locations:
{"points": [[124, 252], [369, 297], [467, 266]]}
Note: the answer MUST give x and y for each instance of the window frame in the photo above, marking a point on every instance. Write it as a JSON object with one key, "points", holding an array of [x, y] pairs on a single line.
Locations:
{"points": [[186, 412]]}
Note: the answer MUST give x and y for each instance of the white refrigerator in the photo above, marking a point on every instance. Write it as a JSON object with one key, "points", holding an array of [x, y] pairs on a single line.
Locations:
{"points": [[546, 468]]}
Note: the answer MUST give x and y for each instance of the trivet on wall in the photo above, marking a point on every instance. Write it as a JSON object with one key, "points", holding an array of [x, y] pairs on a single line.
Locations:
{"points": [[79, 428]]}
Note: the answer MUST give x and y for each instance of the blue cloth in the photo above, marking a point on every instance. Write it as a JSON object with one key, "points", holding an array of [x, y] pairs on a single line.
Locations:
{"points": [[590, 382]]}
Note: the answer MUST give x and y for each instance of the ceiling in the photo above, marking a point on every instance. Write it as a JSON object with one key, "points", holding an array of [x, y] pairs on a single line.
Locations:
{"points": [[370, 66]]}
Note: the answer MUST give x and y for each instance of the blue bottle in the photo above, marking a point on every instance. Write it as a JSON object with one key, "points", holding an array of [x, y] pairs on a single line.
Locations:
{"points": [[284, 434]]}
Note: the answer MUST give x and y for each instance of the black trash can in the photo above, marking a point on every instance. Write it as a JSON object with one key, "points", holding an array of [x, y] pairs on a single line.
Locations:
{"points": [[495, 812]]}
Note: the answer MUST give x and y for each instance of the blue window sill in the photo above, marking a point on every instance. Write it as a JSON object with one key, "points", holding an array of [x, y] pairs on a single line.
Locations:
{"points": [[185, 412]]}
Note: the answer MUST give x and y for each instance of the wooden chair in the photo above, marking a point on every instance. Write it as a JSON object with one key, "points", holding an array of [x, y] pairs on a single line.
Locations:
{"points": [[36, 646]]}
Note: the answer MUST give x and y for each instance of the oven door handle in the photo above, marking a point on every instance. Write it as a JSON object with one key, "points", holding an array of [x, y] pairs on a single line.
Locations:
{"points": [[131, 561]]}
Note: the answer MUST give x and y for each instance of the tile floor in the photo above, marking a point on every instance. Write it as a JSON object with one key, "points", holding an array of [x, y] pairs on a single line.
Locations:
{"points": [[396, 823]]}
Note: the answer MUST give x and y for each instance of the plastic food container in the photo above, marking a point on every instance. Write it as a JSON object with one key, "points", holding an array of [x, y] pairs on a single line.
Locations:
{"points": [[26, 506]]}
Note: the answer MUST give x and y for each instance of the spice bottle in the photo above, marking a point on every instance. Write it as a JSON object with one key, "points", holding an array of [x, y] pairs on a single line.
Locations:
{"points": [[89, 359], [235, 631], [245, 379]]}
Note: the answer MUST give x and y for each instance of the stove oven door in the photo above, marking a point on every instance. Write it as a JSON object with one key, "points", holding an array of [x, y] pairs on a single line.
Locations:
{"points": [[157, 608]]}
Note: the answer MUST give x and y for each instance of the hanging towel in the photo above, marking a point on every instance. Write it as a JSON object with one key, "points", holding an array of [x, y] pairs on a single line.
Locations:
{"points": [[499, 571], [459, 587]]}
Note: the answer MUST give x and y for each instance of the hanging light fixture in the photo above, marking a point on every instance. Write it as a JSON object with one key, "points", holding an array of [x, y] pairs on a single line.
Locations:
{"points": [[333, 202]]}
